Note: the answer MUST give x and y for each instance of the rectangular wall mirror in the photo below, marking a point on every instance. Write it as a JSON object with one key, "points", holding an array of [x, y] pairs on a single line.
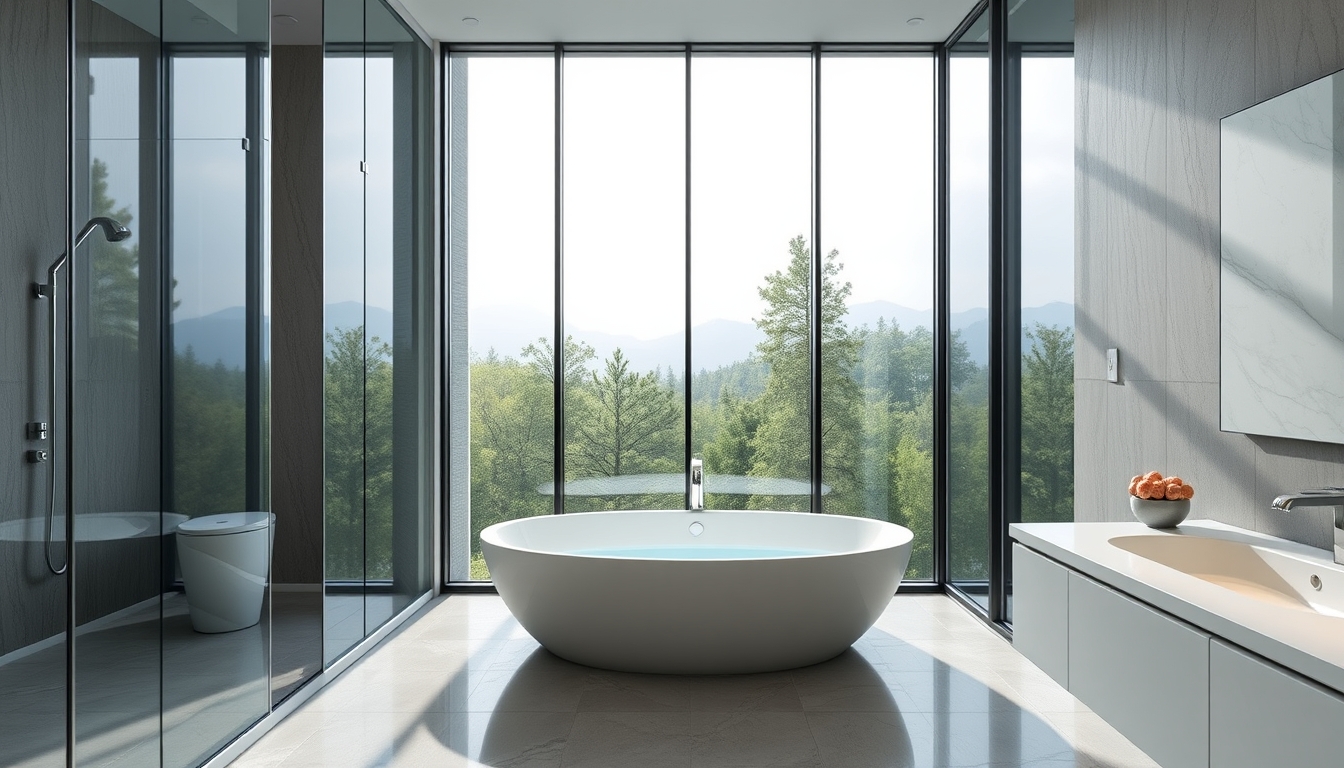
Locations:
{"points": [[1283, 265]]}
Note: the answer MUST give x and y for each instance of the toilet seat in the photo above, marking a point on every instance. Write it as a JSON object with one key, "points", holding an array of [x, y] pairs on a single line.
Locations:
{"points": [[225, 523]]}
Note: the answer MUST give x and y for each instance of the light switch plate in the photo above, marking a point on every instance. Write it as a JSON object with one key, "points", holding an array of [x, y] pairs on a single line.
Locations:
{"points": [[1113, 366]]}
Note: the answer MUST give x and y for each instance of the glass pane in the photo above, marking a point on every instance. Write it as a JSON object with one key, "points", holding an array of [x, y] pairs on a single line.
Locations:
{"points": [[504, 161], [750, 215], [968, 245], [216, 680], [346, 357], [1045, 187], [119, 534], [625, 277], [296, 221], [1047, 289], [215, 88], [877, 346], [391, 503]]}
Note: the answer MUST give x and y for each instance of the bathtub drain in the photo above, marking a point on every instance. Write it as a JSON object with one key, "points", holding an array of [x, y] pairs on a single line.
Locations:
{"points": [[697, 529]]}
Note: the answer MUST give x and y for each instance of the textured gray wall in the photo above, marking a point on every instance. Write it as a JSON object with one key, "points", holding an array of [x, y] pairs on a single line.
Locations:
{"points": [[296, 312], [1153, 80], [32, 216]]}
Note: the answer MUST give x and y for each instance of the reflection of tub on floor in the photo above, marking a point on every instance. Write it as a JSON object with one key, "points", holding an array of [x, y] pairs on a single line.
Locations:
{"points": [[94, 526]]}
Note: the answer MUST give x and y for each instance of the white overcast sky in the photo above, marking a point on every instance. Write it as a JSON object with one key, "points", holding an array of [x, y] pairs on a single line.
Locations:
{"points": [[625, 181], [751, 183]]}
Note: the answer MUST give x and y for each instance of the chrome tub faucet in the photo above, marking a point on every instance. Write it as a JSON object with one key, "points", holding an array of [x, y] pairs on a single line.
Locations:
{"points": [[697, 485], [1325, 497]]}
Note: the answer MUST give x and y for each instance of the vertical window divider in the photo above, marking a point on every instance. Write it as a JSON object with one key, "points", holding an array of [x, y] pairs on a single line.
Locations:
{"points": [[1012, 313], [558, 345], [942, 396], [1000, 298], [686, 370], [814, 295]]}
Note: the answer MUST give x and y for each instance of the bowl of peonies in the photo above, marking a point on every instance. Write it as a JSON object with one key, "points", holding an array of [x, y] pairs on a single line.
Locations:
{"points": [[1160, 502]]}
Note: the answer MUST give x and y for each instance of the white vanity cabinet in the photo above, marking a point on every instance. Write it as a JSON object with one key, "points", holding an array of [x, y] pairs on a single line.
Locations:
{"points": [[1144, 672], [1041, 612], [1263, 715]]}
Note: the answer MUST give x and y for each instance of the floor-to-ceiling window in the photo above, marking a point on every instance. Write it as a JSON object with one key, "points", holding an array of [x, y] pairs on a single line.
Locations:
{"points": [[624, 264], [969, 202], [507, 140], [1039, 235], [688, 213], [744, 244], [877, 165], [751, 232]]}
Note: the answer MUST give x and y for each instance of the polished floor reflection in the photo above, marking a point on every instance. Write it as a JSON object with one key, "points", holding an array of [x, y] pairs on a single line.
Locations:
{"points": [[212, 687], [464, 685]]}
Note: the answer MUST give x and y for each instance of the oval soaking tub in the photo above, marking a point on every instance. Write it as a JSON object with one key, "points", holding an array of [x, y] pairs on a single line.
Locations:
{"points": [[696, 592]]}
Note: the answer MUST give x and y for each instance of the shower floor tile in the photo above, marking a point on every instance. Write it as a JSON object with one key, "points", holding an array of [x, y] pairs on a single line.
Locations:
{"points": [[463, 685]]}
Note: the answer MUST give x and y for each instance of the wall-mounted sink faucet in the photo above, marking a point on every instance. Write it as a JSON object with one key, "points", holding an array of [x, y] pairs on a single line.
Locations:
{"points": [[697, 485], [1324, 497]]}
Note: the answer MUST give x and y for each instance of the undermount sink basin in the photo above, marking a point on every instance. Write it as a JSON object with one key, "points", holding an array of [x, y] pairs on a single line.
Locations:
{"points": [[1256, 572]]}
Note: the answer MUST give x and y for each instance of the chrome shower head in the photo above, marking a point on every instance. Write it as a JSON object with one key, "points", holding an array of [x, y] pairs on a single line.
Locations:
{"points": [[112, 230]]}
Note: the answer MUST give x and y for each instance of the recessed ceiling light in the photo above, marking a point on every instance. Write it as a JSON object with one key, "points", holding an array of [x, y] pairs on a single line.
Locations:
{"points": [[471, 21], [285, 18], [915, 21]]}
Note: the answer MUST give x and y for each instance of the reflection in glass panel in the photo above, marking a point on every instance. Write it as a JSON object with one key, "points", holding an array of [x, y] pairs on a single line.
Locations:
{"points": [[119, 546], [968, 246], [216, 680], [750, 215], [346, 361], [508, 173], [625, 276], [877, 346], [391, 502]]}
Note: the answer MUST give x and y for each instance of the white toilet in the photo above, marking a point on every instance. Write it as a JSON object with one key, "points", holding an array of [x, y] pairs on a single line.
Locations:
{"points": [[225, 560]]}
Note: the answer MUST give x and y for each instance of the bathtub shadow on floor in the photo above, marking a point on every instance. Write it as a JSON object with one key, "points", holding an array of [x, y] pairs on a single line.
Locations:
{"points": [[881, 703]]}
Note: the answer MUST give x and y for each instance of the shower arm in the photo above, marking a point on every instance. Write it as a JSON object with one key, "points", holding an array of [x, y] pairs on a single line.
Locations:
{"points": [[114, 232]]}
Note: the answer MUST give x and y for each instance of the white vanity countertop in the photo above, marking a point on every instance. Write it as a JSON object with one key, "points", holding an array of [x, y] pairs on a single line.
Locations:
{"points": [[1310, 644]]}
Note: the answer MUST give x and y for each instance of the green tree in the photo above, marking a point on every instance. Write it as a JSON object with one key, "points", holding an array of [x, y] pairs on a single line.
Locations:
{"points": [[344, 373], [732, 451], [782, 439], [1047, 425], [209, 436], [629, 423], [115, 267]]}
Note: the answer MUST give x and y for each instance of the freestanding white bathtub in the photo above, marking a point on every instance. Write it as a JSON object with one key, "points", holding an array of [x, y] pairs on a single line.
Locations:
{"points": [[696, 592]]}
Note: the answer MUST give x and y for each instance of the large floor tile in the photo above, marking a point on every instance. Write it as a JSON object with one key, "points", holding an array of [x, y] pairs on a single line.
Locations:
{"points": [[463, 685]]}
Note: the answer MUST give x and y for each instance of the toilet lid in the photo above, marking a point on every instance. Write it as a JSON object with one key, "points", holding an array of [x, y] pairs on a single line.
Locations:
{"points": [[228, 522]]}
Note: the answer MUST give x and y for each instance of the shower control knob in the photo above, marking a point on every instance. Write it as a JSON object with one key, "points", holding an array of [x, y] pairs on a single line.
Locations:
{"points": [[37, 430], [37, 457]]}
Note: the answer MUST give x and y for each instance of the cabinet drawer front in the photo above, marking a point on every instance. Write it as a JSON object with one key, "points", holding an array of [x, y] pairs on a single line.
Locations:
{"points": [[1041, 612], [1263, 715], [1146, 673]]}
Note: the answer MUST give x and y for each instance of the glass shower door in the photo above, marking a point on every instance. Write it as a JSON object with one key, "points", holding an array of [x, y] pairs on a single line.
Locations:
{"points": [[115, 394]]}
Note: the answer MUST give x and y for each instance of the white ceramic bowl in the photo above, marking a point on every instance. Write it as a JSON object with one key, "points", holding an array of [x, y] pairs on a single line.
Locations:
{"points": [[1156, 513]]}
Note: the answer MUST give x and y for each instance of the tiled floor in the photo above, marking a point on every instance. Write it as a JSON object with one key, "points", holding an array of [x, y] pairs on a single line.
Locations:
{"points": [[464, 685], [132, 665]]}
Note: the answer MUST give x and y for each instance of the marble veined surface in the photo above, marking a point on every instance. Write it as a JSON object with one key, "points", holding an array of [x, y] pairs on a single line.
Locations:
{"points": [[1283, 265]]}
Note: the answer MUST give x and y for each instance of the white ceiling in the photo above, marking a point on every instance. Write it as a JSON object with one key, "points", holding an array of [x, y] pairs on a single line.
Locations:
{"points": [[679, 21]]}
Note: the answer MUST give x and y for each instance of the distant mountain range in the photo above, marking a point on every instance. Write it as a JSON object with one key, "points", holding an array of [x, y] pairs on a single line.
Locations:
{"points": [[220, 337], [716, 343]]}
